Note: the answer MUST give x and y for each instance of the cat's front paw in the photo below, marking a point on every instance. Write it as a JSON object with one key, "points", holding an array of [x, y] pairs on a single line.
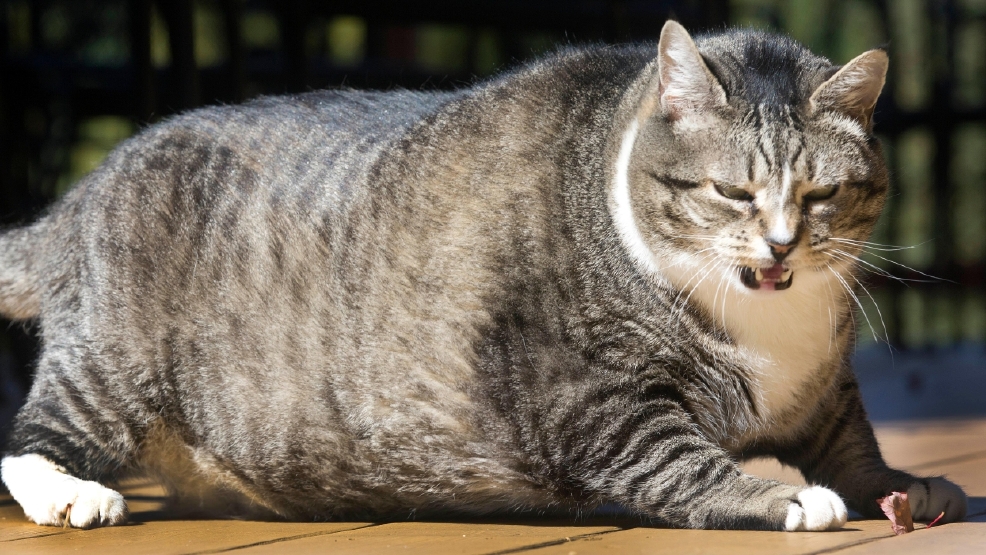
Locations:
{"points": [[931, 497], [817, 508], [83, 504], [51, 497]]}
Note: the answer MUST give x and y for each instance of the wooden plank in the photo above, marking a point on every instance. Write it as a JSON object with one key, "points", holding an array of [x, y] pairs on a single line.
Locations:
{"points": [[166, 537], [13, 525], [437, 537], [656, 541], [954, 449], [151, 531], [960, 538], [922, 443]]}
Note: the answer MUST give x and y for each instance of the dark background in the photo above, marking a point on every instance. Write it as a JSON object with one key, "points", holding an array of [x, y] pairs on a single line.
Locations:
{"points": [[78, 76]]}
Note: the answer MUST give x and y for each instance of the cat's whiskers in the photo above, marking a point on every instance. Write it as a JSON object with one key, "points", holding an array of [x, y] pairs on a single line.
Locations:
{"points": [[706, 237], [866, 266], [723, 279], [697, 274], [831, 329], [886, 333], [852, 314], [676, 314], [725, 292], [682, 262], [853, 263], [858, 303], [832, 320], [872, 268], [715, 300], [873, 246], [894, 262]]}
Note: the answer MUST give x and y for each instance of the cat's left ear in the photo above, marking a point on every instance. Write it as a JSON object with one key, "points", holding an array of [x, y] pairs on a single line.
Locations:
{"points": [[854, 89], [686, 86]]}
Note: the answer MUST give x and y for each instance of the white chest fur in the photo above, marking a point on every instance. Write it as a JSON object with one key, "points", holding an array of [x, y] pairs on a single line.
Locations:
{"points": [[786, 334]]}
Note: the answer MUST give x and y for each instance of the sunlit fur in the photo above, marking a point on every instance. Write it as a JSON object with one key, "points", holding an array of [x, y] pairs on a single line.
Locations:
{"points": [[521, 296]]}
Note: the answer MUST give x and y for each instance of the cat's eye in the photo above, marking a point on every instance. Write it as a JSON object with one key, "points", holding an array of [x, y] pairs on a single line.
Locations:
{"points": [[733, 193], [821, 193]]}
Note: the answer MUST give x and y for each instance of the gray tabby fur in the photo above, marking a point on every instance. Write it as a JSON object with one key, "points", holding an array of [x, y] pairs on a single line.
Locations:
{"points": [[379, 305]]}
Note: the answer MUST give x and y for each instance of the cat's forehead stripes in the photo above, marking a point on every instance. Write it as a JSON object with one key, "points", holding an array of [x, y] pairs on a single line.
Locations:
{"points": [[778, 158], [825, 154]]}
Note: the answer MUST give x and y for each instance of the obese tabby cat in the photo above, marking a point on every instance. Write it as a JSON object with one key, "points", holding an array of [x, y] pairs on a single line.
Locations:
{"points": [[604, 277]]}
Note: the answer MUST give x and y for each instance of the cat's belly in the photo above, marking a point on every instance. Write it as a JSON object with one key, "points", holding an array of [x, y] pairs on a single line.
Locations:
{"points": [[326, 483]]}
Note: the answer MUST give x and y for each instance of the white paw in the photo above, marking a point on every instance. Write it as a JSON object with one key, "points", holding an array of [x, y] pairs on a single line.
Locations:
{"points": [[939, 496], [818, 508], [48, 495]]}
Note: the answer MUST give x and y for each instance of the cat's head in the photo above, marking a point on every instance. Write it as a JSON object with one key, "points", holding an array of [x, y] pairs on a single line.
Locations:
{"points": [[752, 160]]}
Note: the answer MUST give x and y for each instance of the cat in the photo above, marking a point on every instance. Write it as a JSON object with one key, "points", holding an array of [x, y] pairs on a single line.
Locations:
{"points": [[604, 277]]}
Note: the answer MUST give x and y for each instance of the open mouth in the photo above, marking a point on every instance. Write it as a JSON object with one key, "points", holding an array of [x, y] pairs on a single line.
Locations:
{"points": [[775, 278]]}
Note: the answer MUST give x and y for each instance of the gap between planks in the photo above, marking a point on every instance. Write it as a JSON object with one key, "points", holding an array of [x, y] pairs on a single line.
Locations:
{"points": [[280, 540]]}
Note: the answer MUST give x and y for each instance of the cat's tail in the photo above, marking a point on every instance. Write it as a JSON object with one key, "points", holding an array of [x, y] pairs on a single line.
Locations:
{"points": [[20, 284]]}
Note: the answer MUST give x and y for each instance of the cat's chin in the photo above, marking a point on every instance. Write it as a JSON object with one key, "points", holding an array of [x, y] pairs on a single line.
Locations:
{"points": [[773, 278]]}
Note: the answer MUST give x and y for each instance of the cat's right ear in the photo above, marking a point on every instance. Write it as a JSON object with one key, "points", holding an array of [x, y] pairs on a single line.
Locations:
{"points": [[686, 86]]}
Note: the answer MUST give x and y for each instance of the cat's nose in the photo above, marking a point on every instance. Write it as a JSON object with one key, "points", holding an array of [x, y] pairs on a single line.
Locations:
{"points": [[780, 250]]}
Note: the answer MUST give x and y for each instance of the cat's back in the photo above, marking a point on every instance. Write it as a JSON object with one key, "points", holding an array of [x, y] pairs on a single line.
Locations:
{"points": [[319, 148], [291, 142], [212, 168], [327, 123], [230, 194]]}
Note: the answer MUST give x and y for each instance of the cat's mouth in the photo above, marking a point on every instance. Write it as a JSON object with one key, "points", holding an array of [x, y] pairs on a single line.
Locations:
{"points": [[776, 277]]}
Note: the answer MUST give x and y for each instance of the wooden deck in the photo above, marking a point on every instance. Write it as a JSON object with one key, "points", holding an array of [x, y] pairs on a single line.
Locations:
{"points": [[955, 448]]}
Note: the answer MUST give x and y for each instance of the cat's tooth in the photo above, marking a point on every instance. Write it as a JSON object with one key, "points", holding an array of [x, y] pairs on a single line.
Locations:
{"points": [[758, 274], [786, 275]]}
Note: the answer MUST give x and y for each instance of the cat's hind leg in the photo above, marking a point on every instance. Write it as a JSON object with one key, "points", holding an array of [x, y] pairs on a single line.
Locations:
{"points": [[67, 436]]}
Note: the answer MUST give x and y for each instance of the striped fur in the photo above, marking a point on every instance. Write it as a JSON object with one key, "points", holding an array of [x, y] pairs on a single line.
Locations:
{"points": [[527, 295]]}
